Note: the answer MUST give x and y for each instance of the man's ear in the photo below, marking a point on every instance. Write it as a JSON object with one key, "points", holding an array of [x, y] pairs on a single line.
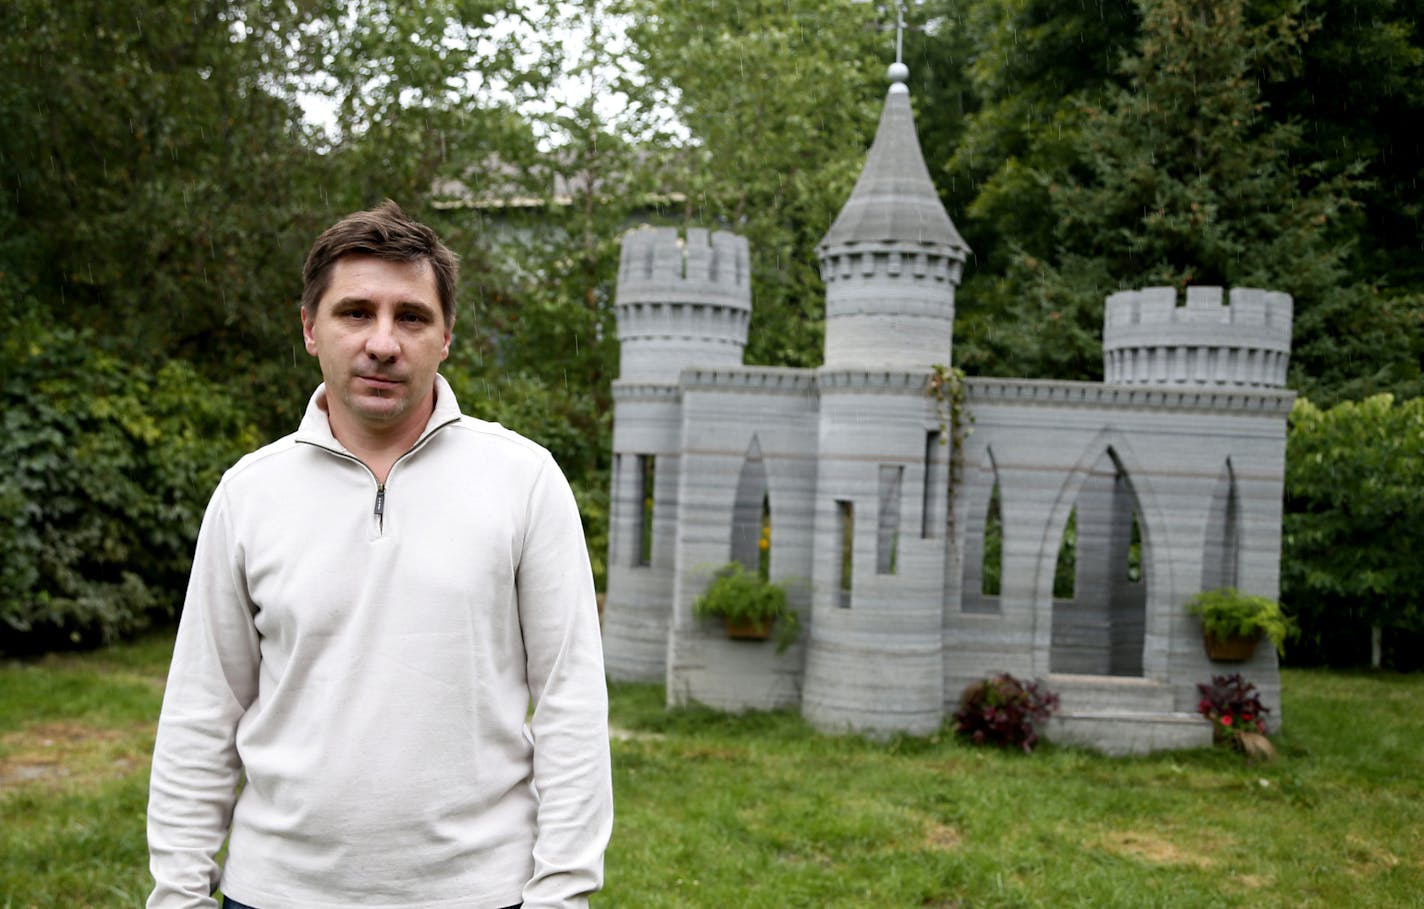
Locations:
{"points": [[449, 337], [308, 324]]}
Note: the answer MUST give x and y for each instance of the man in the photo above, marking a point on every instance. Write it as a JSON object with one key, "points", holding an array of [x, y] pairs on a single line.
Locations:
{"points": [[389, 636]]}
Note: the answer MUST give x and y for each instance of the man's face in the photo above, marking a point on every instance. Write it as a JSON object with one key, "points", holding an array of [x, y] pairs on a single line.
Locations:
{"points": [[379, 336]]}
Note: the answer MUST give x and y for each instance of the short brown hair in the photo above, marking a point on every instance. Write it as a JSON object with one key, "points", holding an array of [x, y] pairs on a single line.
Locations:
{"points": [[385, 232]]}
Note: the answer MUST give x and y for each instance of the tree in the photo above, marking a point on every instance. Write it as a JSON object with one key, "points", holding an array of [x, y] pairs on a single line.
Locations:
{"points": [[1354, 526], [415, 90], [1189, 182], [1004, 89], [780, 100], [1032, 72], [160, 189], [1359, 82], [1031, 67], [540, 350], [166, 186], [109, 463], [138, 139], [1354, 91]]}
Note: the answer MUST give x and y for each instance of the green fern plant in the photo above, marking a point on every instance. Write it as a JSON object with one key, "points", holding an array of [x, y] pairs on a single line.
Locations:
{"points": [[1227, 612], [743, 597]]}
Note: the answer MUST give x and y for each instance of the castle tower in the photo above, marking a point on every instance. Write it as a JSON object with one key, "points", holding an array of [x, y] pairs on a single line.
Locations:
{"points": [[1233, 348], [1149, 340], [892, 259], [680, 303]]}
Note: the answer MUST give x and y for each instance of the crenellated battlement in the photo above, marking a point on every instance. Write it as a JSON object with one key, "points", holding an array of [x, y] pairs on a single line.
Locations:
{"points": [[891, 262], [681, 301], [660, 266], [1216, 338], [1248, 306]]}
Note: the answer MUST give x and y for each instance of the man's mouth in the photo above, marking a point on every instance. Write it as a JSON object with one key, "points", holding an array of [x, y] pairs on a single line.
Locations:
{"points": [[380, 381]]}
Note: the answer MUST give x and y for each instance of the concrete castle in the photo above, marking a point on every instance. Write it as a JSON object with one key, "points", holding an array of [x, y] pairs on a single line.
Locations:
{"points": [[1167, 477]]}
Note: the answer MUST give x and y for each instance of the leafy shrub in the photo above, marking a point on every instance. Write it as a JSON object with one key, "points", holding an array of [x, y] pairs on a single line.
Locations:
{"points": [[109, 465], [1226, 612], [1354, 525], [1004, 711], [743, 597], [1233, 707]]}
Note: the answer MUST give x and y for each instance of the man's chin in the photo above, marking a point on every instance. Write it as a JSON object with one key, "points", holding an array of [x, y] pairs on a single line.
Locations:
{"points": [[377, 406], [379, 409]]}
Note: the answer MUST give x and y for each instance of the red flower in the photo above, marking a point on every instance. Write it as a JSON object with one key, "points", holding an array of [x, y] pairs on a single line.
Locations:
{"points": [[1226, 720]]}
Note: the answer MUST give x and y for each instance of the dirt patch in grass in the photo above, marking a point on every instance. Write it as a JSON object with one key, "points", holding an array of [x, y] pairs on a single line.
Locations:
{"points": [[1367, 857], [941, 837], [1151, 848], [63, 753]]}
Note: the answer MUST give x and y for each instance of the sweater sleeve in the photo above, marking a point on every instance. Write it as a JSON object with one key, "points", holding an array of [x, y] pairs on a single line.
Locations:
{"points": [[559, 619], [211, 682]]}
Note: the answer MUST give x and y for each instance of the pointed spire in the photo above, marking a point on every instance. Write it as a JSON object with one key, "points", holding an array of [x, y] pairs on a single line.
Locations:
{"points": [[894, 200]]}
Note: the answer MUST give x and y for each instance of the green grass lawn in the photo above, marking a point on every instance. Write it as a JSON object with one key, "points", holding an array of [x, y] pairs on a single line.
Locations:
{"points": [[760, 811]]}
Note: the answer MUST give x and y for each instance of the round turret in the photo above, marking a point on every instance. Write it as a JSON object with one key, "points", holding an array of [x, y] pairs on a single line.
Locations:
{"points": [[681, 302], [892, 259], [1149, 340]]}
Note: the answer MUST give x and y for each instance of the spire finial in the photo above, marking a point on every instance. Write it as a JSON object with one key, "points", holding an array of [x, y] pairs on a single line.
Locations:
{"points": [[899, 73], [900, 32]]}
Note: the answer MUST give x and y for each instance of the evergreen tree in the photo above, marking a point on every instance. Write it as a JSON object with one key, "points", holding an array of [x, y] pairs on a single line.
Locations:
{"points": [[1191, 182], [1032, 66], [1357, 92], [1001, 86]]}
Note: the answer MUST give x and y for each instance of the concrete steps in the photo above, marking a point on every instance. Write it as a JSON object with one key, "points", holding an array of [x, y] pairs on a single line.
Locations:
{"points": [[1121, 715]]}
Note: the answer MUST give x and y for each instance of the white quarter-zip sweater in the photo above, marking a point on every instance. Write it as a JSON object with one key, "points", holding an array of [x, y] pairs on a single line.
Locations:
{"points": [[364, 659]]}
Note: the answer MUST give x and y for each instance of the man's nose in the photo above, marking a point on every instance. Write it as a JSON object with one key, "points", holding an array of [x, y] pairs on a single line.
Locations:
{"points": [[381, 344]]}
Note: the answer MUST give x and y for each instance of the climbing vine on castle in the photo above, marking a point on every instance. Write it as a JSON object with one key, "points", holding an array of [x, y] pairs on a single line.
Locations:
{"points": [[946, 388]]}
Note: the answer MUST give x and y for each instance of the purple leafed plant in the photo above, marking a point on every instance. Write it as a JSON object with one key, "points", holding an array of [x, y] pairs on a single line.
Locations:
{"points": [[1233, 706], [1004, 711]]}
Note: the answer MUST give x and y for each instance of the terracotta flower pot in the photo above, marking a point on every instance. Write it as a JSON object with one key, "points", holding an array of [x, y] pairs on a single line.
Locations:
{"points": [[749, 631], [1233, 649]]}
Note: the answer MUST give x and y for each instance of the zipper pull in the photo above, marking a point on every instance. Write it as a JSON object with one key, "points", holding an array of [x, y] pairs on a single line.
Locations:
{"points": [[381, 500]]}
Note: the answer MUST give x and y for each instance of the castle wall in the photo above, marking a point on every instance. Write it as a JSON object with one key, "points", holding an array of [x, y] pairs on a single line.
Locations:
{"points": [[681, 300], [723, 411], [636, 614], [1048, 441]]}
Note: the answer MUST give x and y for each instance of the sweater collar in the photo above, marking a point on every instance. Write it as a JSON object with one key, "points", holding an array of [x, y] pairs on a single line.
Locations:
{"points": [[315, 427]]}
